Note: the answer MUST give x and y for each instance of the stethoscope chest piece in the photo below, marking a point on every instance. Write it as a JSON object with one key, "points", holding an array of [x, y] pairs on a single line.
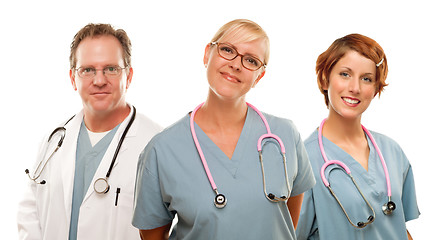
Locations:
{"points": [[101, 186], [220, 200], [388, 207]]}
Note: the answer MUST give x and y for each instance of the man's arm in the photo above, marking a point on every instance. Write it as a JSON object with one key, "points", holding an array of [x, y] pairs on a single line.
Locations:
{"points": [[27, 217]]}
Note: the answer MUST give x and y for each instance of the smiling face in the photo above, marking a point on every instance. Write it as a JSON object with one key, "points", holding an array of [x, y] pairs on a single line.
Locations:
{"points": [[228, 79], [100, 94], [351, 85]]}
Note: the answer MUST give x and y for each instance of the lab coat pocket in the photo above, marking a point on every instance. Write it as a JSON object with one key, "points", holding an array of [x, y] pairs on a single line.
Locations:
{"points": [[122, 210]]}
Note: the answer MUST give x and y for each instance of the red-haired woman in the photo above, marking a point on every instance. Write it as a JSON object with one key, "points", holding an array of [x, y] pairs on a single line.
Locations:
{"points": [[365, 187]]}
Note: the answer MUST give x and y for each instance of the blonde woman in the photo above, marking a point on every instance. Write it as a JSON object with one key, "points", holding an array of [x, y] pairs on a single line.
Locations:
{"points": [[205, 168]]}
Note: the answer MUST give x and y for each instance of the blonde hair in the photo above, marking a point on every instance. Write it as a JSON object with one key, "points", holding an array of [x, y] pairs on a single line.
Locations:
{"points": [[244, 31]]}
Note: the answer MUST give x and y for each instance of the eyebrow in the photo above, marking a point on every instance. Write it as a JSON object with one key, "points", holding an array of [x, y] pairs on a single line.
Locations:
{"points": [[245, 54], [105, 66], [351, 70]]}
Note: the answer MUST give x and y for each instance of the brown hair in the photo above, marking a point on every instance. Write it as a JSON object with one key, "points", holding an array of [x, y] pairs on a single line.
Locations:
{"points": [[366, 46], [94, 30]]}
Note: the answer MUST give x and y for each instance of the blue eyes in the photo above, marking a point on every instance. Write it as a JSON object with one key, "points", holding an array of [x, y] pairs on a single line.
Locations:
{"points": [[346, 75], [229, 52], [343, 74], [367, 79]]}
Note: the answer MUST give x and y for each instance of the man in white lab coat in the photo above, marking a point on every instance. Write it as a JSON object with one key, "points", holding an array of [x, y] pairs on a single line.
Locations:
{"points": [[84, 190]]}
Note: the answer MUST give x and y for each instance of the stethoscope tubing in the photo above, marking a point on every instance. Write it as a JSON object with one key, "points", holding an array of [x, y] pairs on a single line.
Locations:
{"points": [[60, 142], [200, 152], [273, 198], [105, 179], [329, 162], [123, 136], [382, 159]]}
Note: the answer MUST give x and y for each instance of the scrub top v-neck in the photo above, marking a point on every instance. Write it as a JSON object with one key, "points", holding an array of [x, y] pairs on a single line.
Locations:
{"points": [[88, 159], [321, 216], [171, 180]]}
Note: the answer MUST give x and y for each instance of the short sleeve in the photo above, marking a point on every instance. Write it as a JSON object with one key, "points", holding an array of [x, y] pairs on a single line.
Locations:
{"points": [[305, 179], [410, 205], [150, 211]]}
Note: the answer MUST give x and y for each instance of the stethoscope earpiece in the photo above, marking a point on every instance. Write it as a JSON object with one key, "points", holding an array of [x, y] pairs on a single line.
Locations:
{"points": [[364, 224], [273, 197], [101, 185], [220, 200], [388, 207]]}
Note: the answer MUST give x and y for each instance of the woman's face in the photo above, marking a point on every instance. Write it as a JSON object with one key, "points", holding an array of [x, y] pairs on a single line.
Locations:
{"points": [[351, 85], [228, 79]]}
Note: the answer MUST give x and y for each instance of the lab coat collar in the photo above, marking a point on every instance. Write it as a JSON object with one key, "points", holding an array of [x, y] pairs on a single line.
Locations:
{"points": [[67, 154], [107, 158]]}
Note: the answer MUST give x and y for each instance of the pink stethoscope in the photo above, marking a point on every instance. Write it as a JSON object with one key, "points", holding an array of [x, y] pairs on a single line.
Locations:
{"points": [[220, 200], [387, 208]]}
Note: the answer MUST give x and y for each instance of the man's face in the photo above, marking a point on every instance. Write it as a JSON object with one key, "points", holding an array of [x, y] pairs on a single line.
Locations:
{"points": [[101, 93]]}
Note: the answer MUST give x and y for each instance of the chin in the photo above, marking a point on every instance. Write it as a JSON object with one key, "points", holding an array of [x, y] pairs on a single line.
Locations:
{"points": [[100, 107], [225, 94], [348, 114]]}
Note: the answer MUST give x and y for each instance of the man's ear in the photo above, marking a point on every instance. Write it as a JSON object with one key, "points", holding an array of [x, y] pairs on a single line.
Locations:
{"points": [[73, 80], [129, 78]]}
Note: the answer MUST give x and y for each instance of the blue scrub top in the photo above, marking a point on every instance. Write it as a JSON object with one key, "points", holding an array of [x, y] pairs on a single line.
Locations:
{"points": [[321, 216], [88, 159], [171, 180]]}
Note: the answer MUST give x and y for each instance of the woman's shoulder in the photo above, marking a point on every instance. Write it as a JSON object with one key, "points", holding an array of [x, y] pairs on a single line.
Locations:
{"points": [[312, 139], [384, 140], [280, 122], [176, 132]]}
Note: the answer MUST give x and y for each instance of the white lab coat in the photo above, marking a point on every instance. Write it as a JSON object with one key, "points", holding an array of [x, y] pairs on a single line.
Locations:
{"points": [[45, 211]]}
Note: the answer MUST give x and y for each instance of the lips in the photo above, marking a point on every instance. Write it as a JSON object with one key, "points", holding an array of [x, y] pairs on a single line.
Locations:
{"points": [[351, 101], [230, 77], [99, 93]]}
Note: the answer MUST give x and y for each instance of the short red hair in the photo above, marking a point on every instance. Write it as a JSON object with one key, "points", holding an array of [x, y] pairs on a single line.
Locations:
{"points": [[366, 46]]}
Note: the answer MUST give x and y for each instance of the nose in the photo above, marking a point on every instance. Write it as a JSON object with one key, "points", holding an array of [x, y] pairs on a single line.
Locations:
{"points": [[236, 63], [99, 78], [354, 85]]}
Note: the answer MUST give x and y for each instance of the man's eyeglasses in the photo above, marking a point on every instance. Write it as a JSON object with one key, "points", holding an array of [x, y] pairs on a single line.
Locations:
{"points": [[229, 52], [90, 72]]}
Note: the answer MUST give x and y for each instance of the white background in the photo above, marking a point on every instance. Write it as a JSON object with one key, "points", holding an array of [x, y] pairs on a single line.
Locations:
{"points": [[169, 80]]}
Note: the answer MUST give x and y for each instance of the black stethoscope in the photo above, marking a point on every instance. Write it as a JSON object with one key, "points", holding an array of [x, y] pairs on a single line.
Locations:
{"points": [[101, 185]]}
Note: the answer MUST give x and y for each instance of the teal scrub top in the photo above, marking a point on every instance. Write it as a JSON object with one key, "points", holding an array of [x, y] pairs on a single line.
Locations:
{"points": [[88, 159], [321, 216], [171, 180]]}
